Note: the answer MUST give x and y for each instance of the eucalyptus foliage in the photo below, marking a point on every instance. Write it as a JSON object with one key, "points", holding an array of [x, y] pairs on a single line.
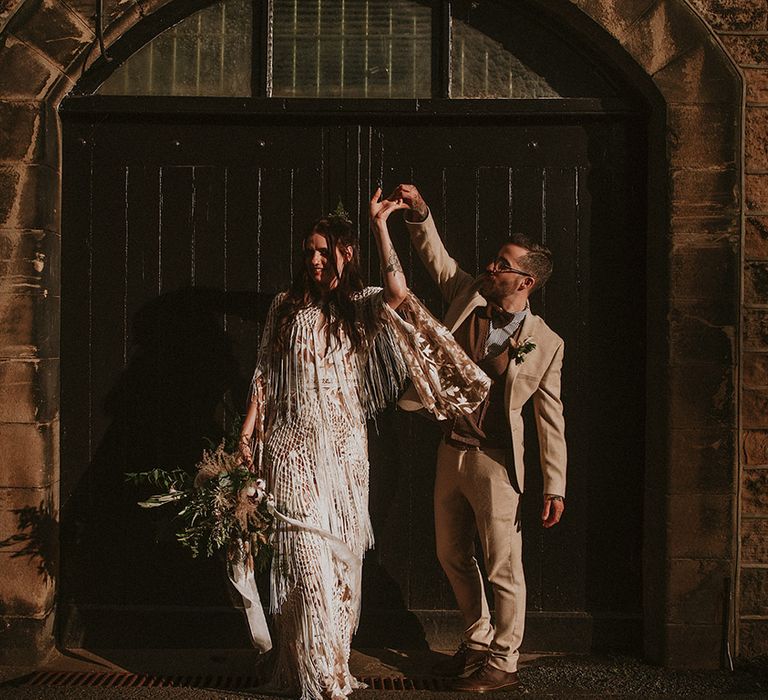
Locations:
{"points": [[222, 508]]}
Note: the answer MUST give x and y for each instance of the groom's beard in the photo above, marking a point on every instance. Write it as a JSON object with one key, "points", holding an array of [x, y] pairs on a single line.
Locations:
{"points": [[488, 287]]}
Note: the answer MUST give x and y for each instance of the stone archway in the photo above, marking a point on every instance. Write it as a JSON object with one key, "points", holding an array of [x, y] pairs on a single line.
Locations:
{"points": [[695, 232]]}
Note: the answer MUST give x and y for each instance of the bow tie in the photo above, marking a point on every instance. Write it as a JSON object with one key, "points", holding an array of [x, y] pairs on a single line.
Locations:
{"points": [[499, 317]]}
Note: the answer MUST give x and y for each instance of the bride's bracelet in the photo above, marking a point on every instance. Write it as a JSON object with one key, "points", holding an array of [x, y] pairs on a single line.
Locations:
{"points": [[245, 440]]}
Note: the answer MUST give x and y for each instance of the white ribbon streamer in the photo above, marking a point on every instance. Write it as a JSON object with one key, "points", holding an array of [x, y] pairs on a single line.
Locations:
{"points": [[245, 581]]}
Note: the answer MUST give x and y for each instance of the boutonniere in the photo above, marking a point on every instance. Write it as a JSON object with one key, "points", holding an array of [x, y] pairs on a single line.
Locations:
{"points": [[521, 349]]}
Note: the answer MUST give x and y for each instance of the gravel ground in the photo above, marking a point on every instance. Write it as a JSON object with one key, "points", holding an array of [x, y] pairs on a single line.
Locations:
{"points": [[628, 677], [544, 677]]}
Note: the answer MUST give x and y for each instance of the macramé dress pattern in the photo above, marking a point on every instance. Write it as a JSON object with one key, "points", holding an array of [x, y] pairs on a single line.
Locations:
{"points": [[311, 446]]}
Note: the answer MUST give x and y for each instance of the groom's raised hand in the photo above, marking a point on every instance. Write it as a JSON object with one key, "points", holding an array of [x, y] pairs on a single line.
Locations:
{"points": [[417, 207]]}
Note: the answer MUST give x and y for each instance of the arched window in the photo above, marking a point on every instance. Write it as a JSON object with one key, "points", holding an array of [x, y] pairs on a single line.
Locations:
{"points": [[340, 48], [207, 53], [350, 49]]}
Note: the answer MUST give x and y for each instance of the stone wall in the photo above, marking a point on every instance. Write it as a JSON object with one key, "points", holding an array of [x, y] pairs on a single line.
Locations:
{"points": [[690, 542], [702, 331], [38, 45], [742, 26], [712, 211]]}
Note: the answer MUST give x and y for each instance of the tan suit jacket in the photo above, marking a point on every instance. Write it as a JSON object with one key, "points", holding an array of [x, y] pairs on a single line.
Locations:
{"points": [[538, 376]]}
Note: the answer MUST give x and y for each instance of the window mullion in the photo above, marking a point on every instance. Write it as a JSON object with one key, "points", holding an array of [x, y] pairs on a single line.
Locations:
{"points": [[261, 63], [441, 48]]}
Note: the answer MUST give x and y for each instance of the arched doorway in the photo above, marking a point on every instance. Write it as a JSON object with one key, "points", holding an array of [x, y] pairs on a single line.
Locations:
{"points": [[181, 214]]}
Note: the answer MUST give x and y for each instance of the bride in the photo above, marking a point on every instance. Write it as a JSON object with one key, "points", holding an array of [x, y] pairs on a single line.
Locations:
{"points": [[333, 352]]}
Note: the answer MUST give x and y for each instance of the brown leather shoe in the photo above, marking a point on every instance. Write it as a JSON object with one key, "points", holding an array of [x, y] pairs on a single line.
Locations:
{"points": [[465, 661], [487, 679]]}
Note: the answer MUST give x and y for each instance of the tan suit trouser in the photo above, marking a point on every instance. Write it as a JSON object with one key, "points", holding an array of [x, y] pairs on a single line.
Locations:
{"points": [[473, 495]]}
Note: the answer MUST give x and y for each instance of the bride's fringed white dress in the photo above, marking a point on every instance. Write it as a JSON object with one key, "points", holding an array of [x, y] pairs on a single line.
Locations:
{"points": [[311, 442]]}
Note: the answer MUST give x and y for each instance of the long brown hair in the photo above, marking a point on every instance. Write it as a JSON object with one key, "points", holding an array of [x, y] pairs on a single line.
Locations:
{"points": [[339, 233]]}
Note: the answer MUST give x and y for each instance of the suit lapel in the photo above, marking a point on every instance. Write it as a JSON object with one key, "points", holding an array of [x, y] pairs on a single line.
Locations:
{"points": [[465, 308], [528, 330]]}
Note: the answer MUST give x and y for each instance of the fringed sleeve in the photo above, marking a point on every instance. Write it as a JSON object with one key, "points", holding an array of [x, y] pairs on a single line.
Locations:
{"points": [[260, 391], [411, 343], [382, 365]]}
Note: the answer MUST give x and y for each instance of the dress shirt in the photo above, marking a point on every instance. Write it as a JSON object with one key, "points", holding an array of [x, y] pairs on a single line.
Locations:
{"points": [[503, 327]]}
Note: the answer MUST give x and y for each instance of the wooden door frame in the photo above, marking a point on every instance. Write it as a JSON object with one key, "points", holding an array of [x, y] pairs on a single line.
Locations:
{"points": [[349, 108], [392, 112]]}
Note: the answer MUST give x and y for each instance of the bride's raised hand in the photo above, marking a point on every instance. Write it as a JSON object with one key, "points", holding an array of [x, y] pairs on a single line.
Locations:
{"points": [[380, 209]]}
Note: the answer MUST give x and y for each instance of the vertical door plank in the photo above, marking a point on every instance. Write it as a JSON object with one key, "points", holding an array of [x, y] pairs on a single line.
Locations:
{"points": [[108, 350], [616, 456], [175, 316], [76, 380], [209, 348], [493, 217], [142, 266], [276, 239], [144, 432], [563, 546], [461, 206], [305, 209], [247, 308], [77, 212]]}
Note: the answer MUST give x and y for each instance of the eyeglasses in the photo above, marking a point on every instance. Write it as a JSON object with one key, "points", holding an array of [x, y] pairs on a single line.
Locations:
{"points": [[500, 266]]}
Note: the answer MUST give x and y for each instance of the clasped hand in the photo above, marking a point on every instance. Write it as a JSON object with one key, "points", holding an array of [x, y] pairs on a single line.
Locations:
{"points": [[380, 209]]}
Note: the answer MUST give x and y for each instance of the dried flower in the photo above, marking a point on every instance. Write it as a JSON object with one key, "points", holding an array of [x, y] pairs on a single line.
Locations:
{"points": [[224, 507]]}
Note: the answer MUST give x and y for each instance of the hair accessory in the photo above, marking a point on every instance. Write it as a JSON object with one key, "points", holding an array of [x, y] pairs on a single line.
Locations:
{"points": [[340, 212]]}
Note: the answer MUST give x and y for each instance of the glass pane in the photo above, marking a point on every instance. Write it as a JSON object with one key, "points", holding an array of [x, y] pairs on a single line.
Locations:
{"points": [[208, 53], [482, 67], [501, 50], [351, 48]]}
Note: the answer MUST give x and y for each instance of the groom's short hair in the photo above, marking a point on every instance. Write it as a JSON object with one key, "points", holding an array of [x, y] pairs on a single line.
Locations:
{"points": [[537, 261]]}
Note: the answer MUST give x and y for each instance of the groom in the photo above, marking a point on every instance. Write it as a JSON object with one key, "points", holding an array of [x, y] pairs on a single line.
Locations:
{"points": [[480, 475]]}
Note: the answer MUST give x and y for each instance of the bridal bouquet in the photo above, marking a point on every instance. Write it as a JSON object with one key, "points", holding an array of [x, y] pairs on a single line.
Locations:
{"points": [[224, 507]]}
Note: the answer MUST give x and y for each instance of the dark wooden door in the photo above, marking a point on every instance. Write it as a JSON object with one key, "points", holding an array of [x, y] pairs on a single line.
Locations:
{"points": [[177, 232], [577, 187]]}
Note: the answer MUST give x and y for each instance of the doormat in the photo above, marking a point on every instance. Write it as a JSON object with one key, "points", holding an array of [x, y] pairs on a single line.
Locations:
{"points": [[70, 679]]}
